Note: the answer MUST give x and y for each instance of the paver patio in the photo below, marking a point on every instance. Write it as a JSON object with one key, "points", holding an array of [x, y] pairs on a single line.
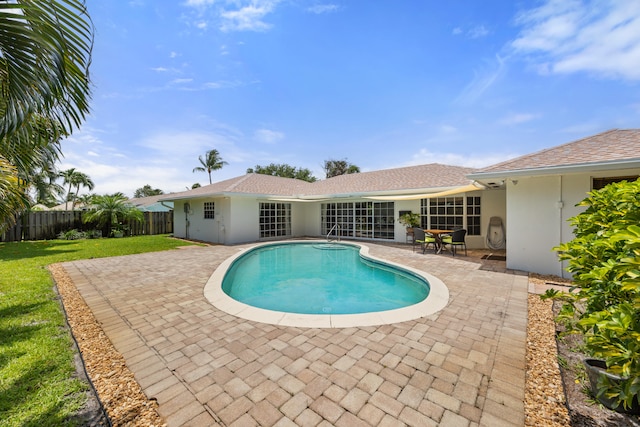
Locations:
{"points": [[463, 366]]}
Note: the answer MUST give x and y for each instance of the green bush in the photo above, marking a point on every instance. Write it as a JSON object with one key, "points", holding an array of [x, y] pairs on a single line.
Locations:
{"points": [[94, 234], [604, 305], [71, 235]]}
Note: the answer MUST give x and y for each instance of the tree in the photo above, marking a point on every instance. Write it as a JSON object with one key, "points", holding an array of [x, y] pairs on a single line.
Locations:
{"points": [[40, 177], [285, 171], [210, 163], [112, 210], [147, 191], [339, 167], [75, 179], [45, 52], [86, 200]]}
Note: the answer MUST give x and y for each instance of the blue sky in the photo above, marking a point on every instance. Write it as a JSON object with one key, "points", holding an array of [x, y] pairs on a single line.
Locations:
{"points": [[380, 83]]}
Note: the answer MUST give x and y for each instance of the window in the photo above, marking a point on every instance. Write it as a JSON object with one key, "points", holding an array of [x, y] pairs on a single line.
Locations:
{"points": [[368, 220], [599, 183], [473, 216], [449, 213], [275, 219], [209, 210]]}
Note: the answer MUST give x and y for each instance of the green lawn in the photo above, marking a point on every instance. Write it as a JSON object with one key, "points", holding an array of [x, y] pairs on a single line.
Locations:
{"points": [[37, 384]]}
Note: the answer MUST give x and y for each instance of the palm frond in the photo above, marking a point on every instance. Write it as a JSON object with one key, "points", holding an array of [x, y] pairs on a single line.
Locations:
{"points": [[45, 51], [12, 194]]}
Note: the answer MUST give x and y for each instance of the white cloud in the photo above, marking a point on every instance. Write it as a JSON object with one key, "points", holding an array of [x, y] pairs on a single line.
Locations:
{"points": [[474, 32], [568, 36], [222, 84], [247, 18], [517, 118], [233, 15], [181, 81], [482, 81], [199, 3], [448, 129], [164, 160], [478, 32], [323, 8], [268, 136]]}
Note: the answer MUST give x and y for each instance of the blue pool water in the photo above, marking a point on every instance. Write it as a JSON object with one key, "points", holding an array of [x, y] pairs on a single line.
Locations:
{"points": [[320, 278]]}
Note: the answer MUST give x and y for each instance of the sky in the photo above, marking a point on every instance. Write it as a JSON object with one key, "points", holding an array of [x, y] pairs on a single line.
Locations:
{"points": [[380, 83]]}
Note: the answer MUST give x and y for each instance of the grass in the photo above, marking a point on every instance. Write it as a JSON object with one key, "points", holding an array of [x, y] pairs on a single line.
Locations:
{"points": [[38, 386]]}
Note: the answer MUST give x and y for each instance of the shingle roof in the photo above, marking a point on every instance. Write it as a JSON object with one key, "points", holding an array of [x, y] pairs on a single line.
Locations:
{"points": [[610, 146], [422, 177], [250, 184], [145, 201]]}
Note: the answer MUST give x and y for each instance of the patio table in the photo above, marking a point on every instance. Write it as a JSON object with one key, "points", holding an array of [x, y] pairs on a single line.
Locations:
{"points": [[437, 234]]}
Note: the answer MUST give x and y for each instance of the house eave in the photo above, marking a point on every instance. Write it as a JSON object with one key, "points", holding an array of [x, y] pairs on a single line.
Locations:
{"points": [[307, 198], [557, 170]]}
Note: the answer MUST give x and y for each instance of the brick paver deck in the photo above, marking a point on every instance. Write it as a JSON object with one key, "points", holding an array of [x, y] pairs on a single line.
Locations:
{"points": [[463, 366]]}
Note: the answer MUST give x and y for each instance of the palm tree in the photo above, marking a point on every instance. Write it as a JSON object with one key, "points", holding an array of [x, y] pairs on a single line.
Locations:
{"points": [[81, 179], [75, 178], [67, 178], [45, 52], [86, 200], [45, 187], [39, 178], [211, 162], [112, 210]]}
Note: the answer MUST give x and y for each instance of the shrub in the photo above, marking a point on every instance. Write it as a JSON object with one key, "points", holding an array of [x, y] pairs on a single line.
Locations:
{"points": [[94, 234], [71, 235], [604, 258]]}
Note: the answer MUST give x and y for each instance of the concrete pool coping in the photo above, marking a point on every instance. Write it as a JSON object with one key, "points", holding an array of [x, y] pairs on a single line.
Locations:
{"points": [[436, 300]]}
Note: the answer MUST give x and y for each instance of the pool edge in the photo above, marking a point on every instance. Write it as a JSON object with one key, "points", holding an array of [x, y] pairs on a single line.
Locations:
{"points": [[437, 299]]}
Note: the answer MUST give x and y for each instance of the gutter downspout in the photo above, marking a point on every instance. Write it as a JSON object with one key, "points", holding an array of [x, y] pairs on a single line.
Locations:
{"points": [[560, 205]]}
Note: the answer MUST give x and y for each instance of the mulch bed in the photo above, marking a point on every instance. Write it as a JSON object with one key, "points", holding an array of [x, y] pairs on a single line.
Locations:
{"points": [[557, 394], [119, 392]]}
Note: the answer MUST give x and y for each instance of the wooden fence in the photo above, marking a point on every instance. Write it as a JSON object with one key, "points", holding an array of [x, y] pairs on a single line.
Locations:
{"points": [[45, 225]]}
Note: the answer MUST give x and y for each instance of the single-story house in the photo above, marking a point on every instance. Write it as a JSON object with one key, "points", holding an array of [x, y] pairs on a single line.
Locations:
{"points": [[366, 205], [533, 195]]}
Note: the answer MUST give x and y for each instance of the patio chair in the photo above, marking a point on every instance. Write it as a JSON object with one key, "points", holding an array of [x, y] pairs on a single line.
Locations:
{"points": [[421, 238], [455, 240]]}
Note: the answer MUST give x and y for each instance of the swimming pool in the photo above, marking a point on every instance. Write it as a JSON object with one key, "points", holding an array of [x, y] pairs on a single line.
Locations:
{"points": [[320, 278], [319, 284]]}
